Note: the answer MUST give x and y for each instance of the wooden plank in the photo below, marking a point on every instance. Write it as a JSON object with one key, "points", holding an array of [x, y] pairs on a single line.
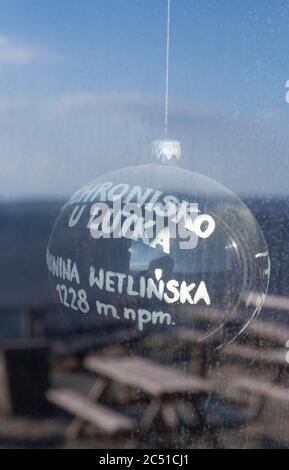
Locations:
{"points": [[263, 389], [75, 344], [267, 356], [94, 395], [274, 302], [144, 375], [276, 334], [102, 417]]}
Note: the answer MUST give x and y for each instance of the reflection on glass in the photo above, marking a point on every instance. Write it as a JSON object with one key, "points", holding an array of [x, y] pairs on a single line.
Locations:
{"points": [[203, 265]]}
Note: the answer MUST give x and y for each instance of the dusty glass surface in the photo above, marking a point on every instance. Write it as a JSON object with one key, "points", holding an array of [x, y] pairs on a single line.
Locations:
{"points": [[207, 259], [129, 323]]}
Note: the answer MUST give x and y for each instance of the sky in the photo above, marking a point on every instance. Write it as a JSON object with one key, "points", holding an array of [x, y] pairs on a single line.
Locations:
{"points": [[82, 91]]}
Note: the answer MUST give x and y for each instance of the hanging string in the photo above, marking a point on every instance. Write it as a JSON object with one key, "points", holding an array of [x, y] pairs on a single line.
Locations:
{"points": [[167, 68]]}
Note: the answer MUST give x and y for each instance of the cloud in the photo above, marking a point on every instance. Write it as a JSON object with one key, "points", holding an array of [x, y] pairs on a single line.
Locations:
{"points": [[51, 147], [14, 53]]}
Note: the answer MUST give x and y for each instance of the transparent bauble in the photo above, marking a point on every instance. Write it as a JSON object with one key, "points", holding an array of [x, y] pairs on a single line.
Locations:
{"points": [[206, 269]]}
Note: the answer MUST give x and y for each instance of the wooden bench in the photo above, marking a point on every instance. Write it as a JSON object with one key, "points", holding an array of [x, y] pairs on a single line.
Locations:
{"points": [[262, 389], [160, 383], [100, 416]]}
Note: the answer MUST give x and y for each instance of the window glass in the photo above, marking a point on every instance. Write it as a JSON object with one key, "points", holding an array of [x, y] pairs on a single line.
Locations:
{"points": [[179, 337]]}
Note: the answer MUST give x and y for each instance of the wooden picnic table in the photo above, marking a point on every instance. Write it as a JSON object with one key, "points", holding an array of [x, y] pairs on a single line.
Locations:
{"points": [[277, 335], [162, 384], [102, 417], [261, 388], [272, 302]]}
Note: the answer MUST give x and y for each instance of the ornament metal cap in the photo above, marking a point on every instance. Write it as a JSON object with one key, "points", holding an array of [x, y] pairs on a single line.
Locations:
{"points": [[166, 151]]}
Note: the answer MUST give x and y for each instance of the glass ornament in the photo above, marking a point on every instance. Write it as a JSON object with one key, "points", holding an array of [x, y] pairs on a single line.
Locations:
{"points": [[160, 247]]}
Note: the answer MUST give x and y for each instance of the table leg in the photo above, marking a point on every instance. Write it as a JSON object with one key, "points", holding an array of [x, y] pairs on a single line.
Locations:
{"points": [[169, 415], [94, 394], [150, 413]]}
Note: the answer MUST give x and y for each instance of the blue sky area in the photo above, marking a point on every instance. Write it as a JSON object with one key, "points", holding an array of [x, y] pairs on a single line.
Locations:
{"points": [[77, 74]]}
